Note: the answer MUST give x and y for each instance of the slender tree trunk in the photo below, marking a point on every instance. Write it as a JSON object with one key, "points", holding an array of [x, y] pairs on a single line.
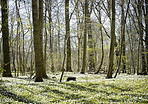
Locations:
{"points": [[1, 53], [101, 45], [32, 50], [67, 20], [5, 36], [146, 31], [130, 38], [78, 35], [50, 32], [90, 45], [141, 37], [85, 39], [45, 46], [131, 51], [123, 22], [13, 45], [23, 60], [59, 46], [63, 63], [111, 54], [17, 38], [123, 43]]}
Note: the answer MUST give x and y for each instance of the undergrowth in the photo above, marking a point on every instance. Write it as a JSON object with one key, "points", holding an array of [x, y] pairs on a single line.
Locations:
{"points": [[87, 89]]}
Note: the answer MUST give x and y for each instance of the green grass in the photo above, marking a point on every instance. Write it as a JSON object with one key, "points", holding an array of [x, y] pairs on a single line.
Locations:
{"points": [[87, 89]]}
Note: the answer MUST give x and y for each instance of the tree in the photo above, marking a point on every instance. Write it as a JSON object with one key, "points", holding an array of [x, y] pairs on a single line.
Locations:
{"points": [[99, 18], [78, 32], [139, 6], [22, 60], [5, 36], [122, 45], [41, 38], [45, 46], [111, 53], [85, 39], [123, 38], [67, 25], [146, 31], [90, 41], [37, 41], [50, 33]]}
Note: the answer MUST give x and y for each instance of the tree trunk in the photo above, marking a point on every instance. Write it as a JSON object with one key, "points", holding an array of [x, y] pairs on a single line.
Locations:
{"points": [[37, 41], [50, 32], [123, 43], [67, 20], [12, 45], [111, 54], [85, 39], [5, 36], [90, 45], [78, 35], [59, 46], [0, 53], [102, 57], [45, 46], [41, 38], [146, 31], [141, 37]]}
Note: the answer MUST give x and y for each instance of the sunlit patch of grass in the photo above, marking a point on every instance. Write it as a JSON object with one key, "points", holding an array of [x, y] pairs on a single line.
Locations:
{"points": [[87, 89]]}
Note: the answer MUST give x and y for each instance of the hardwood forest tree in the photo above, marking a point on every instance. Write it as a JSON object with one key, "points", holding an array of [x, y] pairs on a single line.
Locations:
{"points": [[85, 38], [37, 41], [90, 41], [5, 36], [146, 31], [141, 32], [67, 25], [42, 68], [82, 40], [111, 53]]}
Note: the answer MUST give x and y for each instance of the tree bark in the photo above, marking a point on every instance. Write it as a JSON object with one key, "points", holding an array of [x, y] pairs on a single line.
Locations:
{"points": [[85, 39], [41, 38], [5, 36], [50, 33], [146, 31], [46, 39], [90, 45], [102, 57], [67, 21], [37, 41], [141, 37], [123, 43], [111, 54]]}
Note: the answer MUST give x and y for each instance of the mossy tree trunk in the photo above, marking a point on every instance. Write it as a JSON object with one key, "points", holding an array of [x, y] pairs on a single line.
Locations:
{"points": [[91, 54]]}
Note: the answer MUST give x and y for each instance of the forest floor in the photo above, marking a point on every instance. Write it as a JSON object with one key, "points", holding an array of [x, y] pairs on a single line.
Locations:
{"points": [[87, 89]]}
